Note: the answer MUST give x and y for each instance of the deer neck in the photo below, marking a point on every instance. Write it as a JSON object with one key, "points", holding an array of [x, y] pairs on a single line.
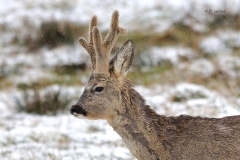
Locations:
{"points": [[135, 127]]}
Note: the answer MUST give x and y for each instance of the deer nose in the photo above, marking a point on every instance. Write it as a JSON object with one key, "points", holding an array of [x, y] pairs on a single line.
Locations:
{"points": [[77, 109]]}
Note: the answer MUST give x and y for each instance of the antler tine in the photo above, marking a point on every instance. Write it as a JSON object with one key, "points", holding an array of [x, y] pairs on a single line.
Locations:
{"points": [[89, 45], [114, 32], [92, 24], [103, 49]]}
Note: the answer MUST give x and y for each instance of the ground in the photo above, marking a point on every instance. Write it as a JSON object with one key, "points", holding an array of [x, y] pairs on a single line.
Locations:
{"points": [[187, 61]]}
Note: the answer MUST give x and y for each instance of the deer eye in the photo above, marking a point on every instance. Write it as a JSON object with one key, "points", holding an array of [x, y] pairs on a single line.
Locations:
{"points": [[98, 89]]}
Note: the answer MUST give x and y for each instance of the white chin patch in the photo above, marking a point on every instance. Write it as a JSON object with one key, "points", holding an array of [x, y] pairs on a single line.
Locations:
{"points": [[80, 116]]}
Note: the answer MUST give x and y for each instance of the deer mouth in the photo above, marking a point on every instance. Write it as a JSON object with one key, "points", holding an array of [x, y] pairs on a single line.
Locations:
{"points": [[77, 111]]}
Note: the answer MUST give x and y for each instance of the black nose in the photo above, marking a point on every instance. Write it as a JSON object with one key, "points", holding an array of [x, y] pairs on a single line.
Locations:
{"points": [[78, 109]]}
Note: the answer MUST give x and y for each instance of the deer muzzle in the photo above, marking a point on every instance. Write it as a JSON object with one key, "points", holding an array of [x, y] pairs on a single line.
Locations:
{"points": [[77, 110]]}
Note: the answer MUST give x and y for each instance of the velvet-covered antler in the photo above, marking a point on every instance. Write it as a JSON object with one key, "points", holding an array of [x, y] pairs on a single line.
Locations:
{"points": [[100, 50], [89, 45]]}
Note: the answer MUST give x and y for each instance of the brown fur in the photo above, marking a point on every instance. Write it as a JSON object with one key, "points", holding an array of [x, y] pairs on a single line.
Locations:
{"points": [[182, 137], [109, 95]]}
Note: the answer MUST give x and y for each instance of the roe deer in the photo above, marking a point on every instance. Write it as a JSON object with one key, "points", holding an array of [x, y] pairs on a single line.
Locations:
{"points": [[109, 95]]}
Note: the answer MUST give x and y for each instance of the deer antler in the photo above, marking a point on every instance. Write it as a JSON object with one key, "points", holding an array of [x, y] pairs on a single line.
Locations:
{"points": [[100, 50], [89, 45]]}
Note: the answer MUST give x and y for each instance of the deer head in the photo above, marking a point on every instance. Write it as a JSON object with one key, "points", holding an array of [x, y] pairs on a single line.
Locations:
{"points": [[101, 98]]}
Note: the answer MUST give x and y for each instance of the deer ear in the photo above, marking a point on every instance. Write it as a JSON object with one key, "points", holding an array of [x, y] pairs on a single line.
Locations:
{"points": [[122, 61]]}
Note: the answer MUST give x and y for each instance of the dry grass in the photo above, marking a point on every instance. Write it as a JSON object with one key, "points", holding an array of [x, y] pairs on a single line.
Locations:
{"points": [[220, 82], [50, 34], [47, 103]]}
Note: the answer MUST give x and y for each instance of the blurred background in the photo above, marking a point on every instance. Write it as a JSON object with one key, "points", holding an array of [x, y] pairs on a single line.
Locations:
{"points": [[187, 61]]}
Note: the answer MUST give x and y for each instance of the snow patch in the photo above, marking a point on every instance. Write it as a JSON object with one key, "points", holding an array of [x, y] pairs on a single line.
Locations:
{"points": [[159, 55]]}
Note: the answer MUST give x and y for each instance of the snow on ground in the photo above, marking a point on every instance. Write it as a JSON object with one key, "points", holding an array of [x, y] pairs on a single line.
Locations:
{"points": [[214, 45], [202, 67], [20, 19], [26, 136], [61, 137], [190, 99], [158, 55], [230, 65], [15, 15], [221, 43], [80, 11]]}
